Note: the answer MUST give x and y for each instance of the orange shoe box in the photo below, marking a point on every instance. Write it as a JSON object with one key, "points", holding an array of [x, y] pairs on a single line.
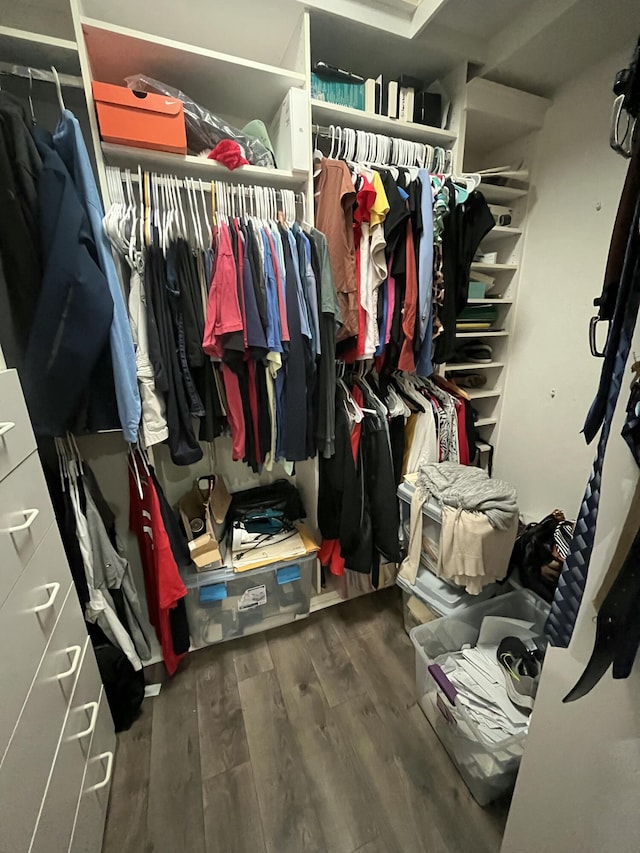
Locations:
{"points": [[140, 119]]}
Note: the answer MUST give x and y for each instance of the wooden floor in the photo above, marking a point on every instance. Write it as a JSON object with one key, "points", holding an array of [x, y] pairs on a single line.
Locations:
{"points": [[307, 738]]}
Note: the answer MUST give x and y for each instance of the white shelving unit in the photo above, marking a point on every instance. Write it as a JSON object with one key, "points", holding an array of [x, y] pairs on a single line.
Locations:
{"points": [[230, 85], [500, 122], [326, 114], [242, 68]]}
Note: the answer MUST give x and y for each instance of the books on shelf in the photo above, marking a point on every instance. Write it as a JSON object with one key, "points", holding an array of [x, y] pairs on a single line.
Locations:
{"points": [[403, 99], [335, 92]]}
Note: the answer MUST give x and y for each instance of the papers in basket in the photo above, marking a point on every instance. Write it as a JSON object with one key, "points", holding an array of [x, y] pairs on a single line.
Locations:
{"points": [[488, 713]]}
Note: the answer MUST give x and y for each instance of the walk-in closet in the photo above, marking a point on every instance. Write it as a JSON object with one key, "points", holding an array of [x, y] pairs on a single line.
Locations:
{"points": [[319, 426]]}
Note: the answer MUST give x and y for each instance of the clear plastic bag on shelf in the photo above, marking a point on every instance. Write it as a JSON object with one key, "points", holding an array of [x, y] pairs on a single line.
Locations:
{"points": [[204, 129]]}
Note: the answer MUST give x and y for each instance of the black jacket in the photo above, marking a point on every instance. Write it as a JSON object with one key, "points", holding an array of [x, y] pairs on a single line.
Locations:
{"points": [[72, 319]]}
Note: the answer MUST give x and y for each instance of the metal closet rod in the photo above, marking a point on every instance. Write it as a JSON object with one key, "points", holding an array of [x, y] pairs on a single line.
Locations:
{"points": [[319, 130], [30, 73], [205, 182]]}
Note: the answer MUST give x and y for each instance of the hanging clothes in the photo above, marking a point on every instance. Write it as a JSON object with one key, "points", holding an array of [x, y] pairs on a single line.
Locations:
{"points": [[335, 196], [154, 421], [164, 587], [20, 250], [70, 145], [74, 312]]}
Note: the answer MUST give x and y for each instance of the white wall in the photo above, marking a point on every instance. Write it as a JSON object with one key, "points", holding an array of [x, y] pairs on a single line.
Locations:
{"points": [[552, 377], [579, 783]]}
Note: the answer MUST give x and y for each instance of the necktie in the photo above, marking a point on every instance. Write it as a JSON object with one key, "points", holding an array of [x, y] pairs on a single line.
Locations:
{"points": [[570, 589]]}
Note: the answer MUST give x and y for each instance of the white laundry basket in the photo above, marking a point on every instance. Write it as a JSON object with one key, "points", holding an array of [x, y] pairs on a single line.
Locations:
{"points": [[489, 770]]}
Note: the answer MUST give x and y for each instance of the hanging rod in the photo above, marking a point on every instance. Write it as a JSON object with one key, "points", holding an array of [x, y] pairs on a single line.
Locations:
{"points": [[41, 74], [325, 132], [201, 183]]}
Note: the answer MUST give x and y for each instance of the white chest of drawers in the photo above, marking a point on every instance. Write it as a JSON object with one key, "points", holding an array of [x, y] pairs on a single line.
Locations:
{"points": [[56, 733]]}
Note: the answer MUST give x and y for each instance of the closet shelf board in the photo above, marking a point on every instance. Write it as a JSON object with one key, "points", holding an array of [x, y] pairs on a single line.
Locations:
{"points": [[326, 114], [480, 267], [502, 195], [487, 301], [485, 422], [479, 394], [500, 232], [226, 84], [498, 114], [199, 167], [499, 334], [472, 365], [324, 599], [20, 47]]}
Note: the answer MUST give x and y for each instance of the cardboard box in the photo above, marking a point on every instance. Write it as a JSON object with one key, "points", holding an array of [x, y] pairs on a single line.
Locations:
{"points": [[207, 501], [140, 119]]}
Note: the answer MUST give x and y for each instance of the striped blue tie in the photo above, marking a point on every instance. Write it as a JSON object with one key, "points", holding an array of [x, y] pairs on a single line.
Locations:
{"points": [[570, 589]]}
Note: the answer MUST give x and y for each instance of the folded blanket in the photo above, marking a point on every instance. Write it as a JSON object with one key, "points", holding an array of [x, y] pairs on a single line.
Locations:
{"points": [[470, 489]]}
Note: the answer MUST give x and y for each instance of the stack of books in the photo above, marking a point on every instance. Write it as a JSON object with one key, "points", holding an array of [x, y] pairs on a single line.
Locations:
{"points": [[404, 99], [343, 93]]}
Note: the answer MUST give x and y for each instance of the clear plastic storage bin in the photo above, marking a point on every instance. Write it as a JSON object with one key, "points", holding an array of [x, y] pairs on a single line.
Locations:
{"points": [[222, 605], [431, 525], [489, 770], [415, 612]]}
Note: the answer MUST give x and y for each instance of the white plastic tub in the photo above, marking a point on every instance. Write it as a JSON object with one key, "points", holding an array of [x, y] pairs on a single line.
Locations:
{"points": [[489, 770]]}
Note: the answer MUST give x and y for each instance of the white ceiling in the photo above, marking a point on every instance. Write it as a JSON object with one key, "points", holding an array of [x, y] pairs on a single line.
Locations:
{"points": [[479, 18], [536, 45]]}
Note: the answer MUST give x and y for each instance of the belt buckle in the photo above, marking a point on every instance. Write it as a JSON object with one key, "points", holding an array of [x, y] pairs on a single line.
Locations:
{"points": [[593, 345]]}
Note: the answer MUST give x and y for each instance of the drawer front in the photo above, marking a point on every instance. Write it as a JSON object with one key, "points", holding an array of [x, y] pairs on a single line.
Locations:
{"points": [[92, 808], [58, 811], [16, 435], [27, 763], [27, 620], [25, 509], [10, 566]]}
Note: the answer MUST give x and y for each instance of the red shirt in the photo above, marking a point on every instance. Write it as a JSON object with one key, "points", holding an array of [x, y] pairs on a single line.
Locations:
{"points": [[163, 584]]}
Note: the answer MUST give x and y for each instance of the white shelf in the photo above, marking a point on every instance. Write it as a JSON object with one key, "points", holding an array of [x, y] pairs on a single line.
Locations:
{"points": [[228, 85], [502, 195], [489, 268], [324, 599], [471, 365], [500, 334], [199, 167], [327, 114], [481, 394], [19, 47], [485, 422], [498, 115], [488, 301], [501, 232]]}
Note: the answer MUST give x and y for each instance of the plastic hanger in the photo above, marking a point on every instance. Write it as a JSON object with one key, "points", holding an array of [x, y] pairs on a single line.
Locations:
{"points": [[207, 221]]}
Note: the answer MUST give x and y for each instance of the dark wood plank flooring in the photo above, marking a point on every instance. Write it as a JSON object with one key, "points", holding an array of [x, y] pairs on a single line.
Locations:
{"points": [[307, 738]]}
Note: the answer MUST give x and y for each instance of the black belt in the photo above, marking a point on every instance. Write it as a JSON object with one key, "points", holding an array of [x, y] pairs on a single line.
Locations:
{"points": [[617, 627]]}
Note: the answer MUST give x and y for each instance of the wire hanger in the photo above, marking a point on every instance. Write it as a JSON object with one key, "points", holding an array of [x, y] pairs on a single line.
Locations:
{"points": [[58, 88]]}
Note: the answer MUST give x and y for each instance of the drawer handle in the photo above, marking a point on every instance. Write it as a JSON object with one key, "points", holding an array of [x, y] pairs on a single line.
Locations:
{"points": [[107, 775], [6, 427], [94, 716], [76, 651], [30, 516], [53, 589]]}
